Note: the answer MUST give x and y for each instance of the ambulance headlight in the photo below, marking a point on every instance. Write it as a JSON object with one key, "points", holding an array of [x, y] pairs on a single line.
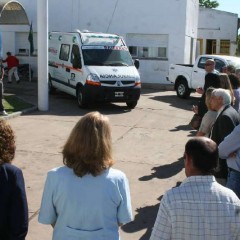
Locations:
{"points": [[93, 79]]}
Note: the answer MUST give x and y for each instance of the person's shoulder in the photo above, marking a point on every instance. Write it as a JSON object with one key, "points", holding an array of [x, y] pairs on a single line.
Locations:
{"points": [[63, 170], [112, 172], [11, 168], [226, 194]]}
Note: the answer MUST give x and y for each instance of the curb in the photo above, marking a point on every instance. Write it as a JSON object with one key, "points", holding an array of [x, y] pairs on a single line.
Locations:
{"points": [[19, 113]]}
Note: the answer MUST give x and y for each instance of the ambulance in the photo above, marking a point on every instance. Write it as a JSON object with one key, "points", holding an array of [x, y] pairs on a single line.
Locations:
{"points": [[93, 67]]}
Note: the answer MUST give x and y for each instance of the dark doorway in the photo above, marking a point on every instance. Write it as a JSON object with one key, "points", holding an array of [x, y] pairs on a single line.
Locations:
{"points": [[211, 46]]}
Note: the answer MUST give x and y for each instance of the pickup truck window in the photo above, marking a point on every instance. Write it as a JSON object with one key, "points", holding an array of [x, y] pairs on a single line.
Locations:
{"points": [[219, 63]]}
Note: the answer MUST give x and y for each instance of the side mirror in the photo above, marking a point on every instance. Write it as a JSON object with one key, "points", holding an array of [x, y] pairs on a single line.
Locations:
{"points": [[137, 63]]}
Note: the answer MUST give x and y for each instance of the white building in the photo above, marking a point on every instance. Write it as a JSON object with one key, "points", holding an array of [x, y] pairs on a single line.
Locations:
{"points": [[158, 32], [217, 32]]}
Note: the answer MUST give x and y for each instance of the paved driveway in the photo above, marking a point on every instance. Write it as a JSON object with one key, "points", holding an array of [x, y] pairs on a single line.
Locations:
{"points": [[148, 147]]}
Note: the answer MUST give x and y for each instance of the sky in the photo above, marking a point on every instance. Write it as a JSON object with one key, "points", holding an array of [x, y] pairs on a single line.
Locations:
{"points": [[232, 6]]}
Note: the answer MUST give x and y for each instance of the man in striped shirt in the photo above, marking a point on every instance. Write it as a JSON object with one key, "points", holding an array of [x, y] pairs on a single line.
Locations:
{"points": [[200, 208]]}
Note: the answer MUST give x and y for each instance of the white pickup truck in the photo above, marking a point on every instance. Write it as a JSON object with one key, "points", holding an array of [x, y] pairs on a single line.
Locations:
{"points": [[187, 78]]}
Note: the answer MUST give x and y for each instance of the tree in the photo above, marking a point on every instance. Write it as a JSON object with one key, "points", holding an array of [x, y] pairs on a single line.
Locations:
{"points": [[208, 4]]}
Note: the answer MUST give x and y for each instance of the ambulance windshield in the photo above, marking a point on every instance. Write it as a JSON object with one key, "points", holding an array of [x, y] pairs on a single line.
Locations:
{"points": [[106, 56], [105, 50]]}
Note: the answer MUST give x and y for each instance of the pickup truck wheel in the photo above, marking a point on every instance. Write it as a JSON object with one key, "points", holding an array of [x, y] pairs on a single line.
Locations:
{"points": [[182, 89], [81, 99], [131, 104]]}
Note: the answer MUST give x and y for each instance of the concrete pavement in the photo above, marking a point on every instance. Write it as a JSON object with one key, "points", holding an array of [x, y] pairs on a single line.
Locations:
{"points": [[148, 147]]}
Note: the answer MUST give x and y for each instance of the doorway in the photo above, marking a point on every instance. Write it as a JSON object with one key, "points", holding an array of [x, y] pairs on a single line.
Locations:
{"points": [[211, 46]]}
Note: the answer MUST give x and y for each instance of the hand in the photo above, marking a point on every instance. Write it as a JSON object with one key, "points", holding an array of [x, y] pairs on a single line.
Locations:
{"points": [[199, 90], [233, 154], [195, 109]]}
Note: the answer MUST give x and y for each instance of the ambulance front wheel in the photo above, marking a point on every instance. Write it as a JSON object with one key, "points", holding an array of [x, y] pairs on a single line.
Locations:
{"points": [[131, 104], [81, 99]]}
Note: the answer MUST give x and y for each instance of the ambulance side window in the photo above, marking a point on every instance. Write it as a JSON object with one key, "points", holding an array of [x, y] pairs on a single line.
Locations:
{"points": [[64, 52], [76, 57]]}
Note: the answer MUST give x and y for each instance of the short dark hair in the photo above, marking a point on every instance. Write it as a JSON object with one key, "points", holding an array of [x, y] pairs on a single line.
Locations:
{"points": [[204, 154], [9, 53]]}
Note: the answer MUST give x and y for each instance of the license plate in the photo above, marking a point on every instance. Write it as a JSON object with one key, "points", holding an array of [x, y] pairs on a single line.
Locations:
{"points": [[119, 94]]}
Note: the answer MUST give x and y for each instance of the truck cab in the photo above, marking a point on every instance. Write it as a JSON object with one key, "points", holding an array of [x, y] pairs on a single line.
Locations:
{"points": [[186, 77]]}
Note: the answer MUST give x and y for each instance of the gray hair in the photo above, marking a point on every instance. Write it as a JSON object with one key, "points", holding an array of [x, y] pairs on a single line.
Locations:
{"points": [[224, 94]]}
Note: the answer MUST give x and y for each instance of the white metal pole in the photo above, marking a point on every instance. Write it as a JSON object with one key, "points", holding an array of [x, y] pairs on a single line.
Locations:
{"points": [[42, 23]]}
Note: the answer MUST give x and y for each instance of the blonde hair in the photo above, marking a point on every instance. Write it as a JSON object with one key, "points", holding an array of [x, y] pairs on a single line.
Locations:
{"points": [[7, 143], [89, 146], [226, 84], [208, 97]]}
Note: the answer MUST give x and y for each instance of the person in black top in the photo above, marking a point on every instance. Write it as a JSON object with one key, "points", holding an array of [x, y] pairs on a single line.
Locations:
{"points": [[13, 200]]}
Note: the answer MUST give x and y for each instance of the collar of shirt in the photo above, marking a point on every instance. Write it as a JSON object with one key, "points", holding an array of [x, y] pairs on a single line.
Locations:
{"points": [[199, 178], [221, 109]]}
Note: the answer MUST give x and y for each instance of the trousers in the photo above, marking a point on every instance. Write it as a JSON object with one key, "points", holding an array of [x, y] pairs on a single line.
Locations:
{"points": [[12, 71], [233, 181]]}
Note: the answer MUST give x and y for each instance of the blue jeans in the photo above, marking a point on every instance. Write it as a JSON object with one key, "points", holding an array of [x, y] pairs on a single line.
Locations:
{"points": [[233, 181]]}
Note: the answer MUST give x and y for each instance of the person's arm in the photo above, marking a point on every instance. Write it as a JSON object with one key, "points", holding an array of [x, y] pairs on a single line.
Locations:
{"points": [[18, 209], [162, 228], [230, 144], [124, 213], [47, 213]]}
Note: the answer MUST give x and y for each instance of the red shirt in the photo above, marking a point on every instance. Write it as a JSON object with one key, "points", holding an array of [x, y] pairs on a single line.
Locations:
{"points": [[11, 61]]}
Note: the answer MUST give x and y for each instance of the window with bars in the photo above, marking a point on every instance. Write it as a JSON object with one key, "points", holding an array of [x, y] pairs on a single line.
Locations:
{"points": [[225, 47]]}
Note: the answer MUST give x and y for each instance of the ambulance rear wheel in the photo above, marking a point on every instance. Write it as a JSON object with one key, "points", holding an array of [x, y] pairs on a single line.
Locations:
{"points": [[131, 104], [81, 99]]}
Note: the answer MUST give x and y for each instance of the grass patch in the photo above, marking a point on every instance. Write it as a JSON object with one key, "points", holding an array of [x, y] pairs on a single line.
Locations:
{"points": [[13, 104]]}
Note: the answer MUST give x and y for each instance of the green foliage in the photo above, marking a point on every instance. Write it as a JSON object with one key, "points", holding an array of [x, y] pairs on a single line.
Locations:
{"points": [[238, 46], [208, 3]]}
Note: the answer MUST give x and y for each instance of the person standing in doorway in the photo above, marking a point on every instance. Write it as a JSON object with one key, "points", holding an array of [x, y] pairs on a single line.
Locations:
{"points": [[2, 110], [12, 64]]}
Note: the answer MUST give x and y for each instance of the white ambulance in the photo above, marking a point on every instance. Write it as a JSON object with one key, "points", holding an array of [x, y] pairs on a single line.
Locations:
{"points": [[94, 67]]}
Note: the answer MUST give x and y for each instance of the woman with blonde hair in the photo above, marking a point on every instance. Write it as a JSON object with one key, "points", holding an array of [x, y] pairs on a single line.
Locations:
{"points": [[13, 200], [87, 199]]}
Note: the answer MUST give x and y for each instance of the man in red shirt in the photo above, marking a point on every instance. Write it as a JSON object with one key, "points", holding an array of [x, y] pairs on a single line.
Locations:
{"points": [[12, 64]]}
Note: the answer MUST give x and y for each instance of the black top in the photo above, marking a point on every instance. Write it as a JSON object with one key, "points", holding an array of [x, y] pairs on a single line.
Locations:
{"points": [[211, 80], [13, 204]]}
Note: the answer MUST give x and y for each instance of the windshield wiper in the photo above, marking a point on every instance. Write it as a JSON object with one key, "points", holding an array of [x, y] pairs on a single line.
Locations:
{"points": [[117, 64]]}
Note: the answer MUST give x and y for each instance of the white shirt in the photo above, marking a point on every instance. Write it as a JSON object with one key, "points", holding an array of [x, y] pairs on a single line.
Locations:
{"points": [[231, 144], [200, 208]]}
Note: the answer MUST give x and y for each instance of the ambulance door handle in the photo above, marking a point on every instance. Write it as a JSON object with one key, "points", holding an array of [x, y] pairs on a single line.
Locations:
{"points": [[67, 69]]}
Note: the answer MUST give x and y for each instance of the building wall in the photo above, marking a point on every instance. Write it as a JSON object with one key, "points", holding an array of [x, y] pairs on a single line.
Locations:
{"points": [[217, 25], [174, 20]]}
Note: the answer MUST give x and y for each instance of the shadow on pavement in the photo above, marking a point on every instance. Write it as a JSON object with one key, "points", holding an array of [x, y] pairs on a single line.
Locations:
{"points": [[165, 171], [60, 103], [177, 102], [144, 219]]}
